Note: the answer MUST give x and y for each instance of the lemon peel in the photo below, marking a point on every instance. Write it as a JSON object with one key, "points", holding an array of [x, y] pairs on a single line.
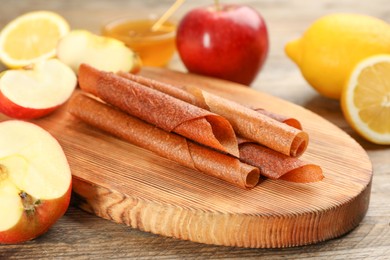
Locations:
{"points": [[331, 47]]}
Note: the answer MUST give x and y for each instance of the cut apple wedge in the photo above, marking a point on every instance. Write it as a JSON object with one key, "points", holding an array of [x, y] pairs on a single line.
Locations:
{"points": [[37, 91], [35, 181], [103, 53]]}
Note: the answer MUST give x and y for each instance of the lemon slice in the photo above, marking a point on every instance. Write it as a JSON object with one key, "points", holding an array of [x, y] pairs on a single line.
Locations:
{"points": [[366, 99], [31, 37]]}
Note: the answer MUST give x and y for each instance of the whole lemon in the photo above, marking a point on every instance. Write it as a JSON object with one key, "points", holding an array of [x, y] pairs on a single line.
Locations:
{"points": [[331, 47]]}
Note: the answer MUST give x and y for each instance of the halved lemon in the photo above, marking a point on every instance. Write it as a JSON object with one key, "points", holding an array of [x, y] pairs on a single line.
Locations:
{"points": [[31, 37], [365, 99]]}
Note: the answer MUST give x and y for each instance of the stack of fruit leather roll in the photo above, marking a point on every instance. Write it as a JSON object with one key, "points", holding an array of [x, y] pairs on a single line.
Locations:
{"points": [[169, 145], [248, 123], [277, 161], [136, 104]]}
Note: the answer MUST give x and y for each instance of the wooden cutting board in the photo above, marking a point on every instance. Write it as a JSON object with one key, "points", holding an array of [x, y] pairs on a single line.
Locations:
{"points": [[118, 181]]}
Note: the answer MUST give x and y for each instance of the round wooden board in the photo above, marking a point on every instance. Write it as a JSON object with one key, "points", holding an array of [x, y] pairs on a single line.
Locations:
{"points": [[118, 181]]}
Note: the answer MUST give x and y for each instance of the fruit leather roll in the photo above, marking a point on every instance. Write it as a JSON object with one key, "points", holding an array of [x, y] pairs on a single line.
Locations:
{"points": [[165, 144], [281, 118], [248, 123], [160, 109], [275, 165]]}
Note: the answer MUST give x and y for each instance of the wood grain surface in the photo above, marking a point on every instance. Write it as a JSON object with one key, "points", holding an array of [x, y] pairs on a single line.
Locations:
{"points": [[129, 185], [80, 235]]}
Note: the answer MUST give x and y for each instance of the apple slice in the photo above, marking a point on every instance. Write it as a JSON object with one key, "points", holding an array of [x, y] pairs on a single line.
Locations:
{"points": [[103, 53], [37, 91], [35, 181]]}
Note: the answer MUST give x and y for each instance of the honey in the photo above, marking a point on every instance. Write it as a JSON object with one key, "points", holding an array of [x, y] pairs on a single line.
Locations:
{"points": [[155, 47]]}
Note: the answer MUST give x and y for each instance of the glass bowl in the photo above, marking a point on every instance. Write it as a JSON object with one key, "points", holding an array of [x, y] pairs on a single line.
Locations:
{"points": [[154, 47]]}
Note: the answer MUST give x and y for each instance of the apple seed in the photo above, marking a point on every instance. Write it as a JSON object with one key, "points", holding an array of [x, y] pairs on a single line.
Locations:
{"points": [[29, 203]]}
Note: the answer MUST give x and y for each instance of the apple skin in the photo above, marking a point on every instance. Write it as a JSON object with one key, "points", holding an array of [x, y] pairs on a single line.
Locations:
{"points": [[61, 79], [231, 43], [13, 110], [45, 216]]}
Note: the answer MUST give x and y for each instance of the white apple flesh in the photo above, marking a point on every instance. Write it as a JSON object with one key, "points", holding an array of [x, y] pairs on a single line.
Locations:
{"points": [[35, 181], [37, 91], [103, 53]]}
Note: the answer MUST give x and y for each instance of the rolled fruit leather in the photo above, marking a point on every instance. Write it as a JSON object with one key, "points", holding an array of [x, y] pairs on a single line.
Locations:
{"points": [[160, 109], [275, 165], [272, 164], [248, 123], [163, 143]]}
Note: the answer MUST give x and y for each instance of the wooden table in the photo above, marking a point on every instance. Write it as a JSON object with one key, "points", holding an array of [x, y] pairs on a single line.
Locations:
{"points": [[80, 235]]}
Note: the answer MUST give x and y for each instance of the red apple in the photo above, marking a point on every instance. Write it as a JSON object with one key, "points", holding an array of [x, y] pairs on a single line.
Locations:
{"points": [[36, 91], [35, 181], [228, 42]]}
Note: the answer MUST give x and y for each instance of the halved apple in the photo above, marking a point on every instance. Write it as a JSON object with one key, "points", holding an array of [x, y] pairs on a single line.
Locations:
{"points": [[36, 91], [103, 53], [35, 181]]}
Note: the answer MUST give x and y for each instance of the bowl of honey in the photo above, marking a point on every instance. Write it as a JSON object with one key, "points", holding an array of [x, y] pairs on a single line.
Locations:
{"points": [[155, 46]]}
